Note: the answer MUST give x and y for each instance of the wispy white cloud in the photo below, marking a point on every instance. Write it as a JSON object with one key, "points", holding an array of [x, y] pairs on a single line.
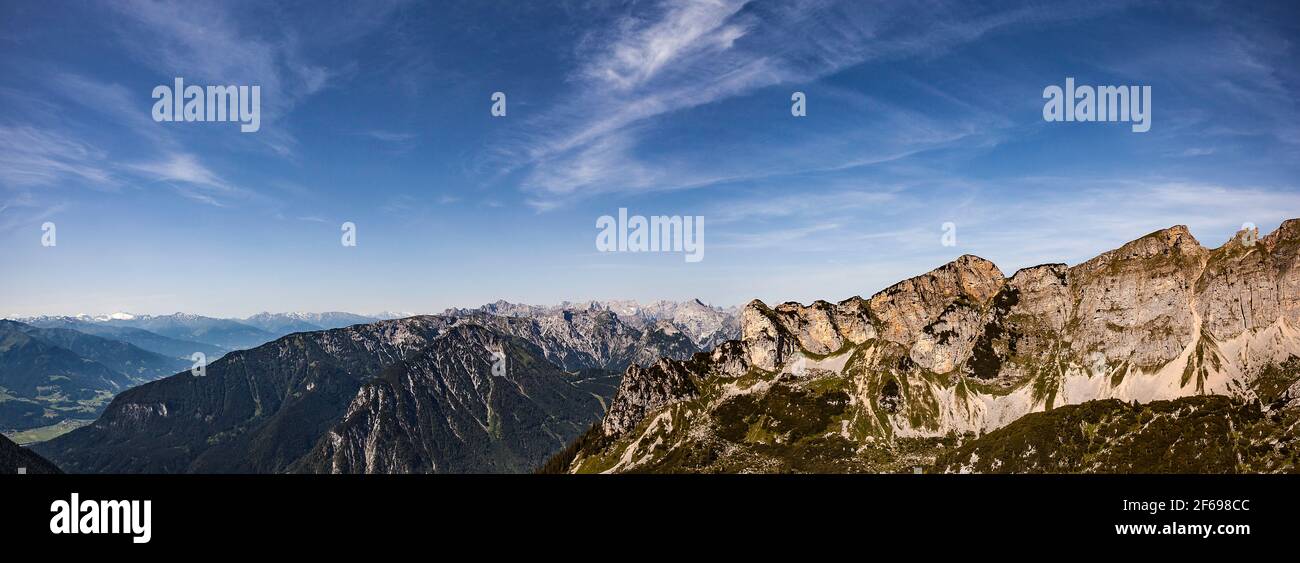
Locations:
{"points": [[417, 207], [792, 238], [55, 159], [32, 157], [395, 142], [111, 100], [191, 178], [23, 209], [391, 136], [638, 50], [219, 44], [1243, 67], [687, 54], [205, 43], [802, 205]]}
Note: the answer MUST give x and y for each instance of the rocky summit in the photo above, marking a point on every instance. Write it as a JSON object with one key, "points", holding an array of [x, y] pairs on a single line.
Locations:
{"points": [[934, 362]]}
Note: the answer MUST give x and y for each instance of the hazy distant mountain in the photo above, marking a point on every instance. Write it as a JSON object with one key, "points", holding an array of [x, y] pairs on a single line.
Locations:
{"points": [[281, 324], [885, 383], [224, 333], [42, 383], [136, 363], [152, 342], [13, 457], [181, 335]]}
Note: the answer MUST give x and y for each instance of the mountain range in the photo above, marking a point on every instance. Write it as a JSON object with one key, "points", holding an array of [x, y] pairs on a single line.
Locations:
{"points": [[58, 372], [49, 375], [281, 324], [964, 357], [405, 395], [182, 334], [1159, 356], [140, 338], [704, 324]]}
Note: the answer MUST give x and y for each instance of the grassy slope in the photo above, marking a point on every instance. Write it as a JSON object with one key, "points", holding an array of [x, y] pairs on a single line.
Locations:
{"points": [[1201, 434]]}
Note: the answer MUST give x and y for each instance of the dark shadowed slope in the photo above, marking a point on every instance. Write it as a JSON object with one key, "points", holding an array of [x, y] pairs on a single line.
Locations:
{"points": [[472, 401], [1203, 434], [255, 410], [41, 383], [14, 457], [260, 410], [137, 363]]}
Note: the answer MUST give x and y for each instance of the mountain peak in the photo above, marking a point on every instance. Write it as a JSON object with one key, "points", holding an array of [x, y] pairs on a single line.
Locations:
{"points": [[1175, 237], [1289, 230], [1174, 245]]}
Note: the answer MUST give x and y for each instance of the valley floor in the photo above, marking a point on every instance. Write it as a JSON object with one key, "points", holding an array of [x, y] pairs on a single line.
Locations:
{"points": [[36, 435]]}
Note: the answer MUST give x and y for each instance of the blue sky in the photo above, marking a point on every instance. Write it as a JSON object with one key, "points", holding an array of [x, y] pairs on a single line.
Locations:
{"points": [[919, 113]]}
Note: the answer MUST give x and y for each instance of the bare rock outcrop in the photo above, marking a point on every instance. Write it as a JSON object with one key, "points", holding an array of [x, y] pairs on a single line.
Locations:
{"points": [[907, 307], [644, 390], [1134, 304], [1024, 324]]}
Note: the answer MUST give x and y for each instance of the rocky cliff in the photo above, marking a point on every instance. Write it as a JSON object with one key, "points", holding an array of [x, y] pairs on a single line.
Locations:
{"points": [[964, 350]]}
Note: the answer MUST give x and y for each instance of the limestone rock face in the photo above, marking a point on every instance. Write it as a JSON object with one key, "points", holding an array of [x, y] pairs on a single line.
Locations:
{"points": [[905, 308], [945, 343], [852, 317], [1134, 303], [1042, 295], [646, 389], [731, 358], [812, 326], [1239, 289], [1024, 324], [1284, 245], [768, 342]]}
